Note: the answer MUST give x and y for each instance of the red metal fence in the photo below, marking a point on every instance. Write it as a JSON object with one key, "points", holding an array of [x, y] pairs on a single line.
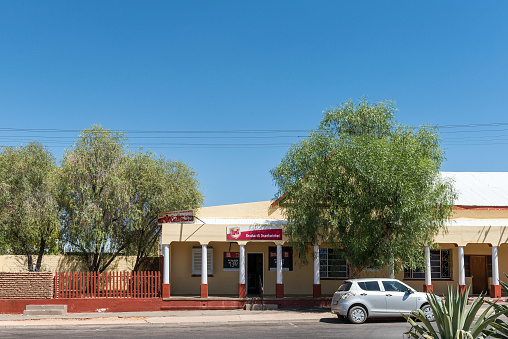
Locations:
{"points": [[144, 284]]}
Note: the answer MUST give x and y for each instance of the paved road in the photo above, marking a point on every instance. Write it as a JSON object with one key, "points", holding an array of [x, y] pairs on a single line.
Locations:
{"points": [[326, 327]]}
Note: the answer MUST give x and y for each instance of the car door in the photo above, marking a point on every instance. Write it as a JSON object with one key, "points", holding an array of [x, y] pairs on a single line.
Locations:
{"points": [[372, 297], [399, 297]]}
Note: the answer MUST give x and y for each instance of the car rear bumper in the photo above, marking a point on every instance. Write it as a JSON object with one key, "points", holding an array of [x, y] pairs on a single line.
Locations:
{"points": [[340, 307]]}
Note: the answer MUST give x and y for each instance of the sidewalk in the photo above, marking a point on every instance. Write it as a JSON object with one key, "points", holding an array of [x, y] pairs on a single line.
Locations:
{"points": [[172, 317], [166, 317]]}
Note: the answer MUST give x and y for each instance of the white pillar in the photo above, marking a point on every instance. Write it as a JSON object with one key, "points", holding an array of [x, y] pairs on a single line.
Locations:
{"points": [[279, 264], [391, 267], [317, 278], [462, 271], [495, 266], [428, 269], [165, 277], [242, 264], [204, 264]]}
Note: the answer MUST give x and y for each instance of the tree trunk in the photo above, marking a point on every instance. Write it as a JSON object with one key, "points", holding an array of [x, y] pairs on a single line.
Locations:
{"points": [[29, 259], [39, 256]]}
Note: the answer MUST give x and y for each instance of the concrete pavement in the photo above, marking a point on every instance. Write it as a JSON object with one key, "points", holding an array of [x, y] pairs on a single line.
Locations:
{"points": [[166, 317], [172, 317]]}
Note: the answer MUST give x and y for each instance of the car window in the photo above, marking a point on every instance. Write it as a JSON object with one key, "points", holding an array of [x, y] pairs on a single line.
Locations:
{"points": [[345, 286], [394, 286], [369, 286]]}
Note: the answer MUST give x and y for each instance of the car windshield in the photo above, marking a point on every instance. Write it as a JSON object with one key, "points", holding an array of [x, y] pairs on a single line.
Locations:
{"points": [[345, 286]]}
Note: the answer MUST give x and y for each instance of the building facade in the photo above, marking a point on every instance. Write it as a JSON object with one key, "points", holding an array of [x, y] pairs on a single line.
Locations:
{"points": [[247, 254]]}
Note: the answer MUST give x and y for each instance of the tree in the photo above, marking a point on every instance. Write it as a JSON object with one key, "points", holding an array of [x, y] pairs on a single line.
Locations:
{"points": [[158, 186], [29, 209], [111, 198], [367, 186], [94, 196]]}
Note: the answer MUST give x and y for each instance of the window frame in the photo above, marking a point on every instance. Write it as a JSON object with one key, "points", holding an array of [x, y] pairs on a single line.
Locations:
{"points": [[196, 261], [410, 274], [325, 262]]}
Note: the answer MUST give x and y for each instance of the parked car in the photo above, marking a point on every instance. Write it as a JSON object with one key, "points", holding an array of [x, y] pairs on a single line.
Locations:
{"points": [[359, 299]]}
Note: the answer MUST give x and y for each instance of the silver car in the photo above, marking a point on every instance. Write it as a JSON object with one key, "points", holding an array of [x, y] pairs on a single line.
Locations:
{"points": [[358, 299]]}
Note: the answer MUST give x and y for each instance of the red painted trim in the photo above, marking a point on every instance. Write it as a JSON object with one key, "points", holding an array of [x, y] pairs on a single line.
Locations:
{"points": [[279, 199], [279, 290], [316, 290], [428, 288], [204, 290], [105, 305], [480, 208], [495, 291], [88, 305], [455, 207], [166, 290], [242, 291]]}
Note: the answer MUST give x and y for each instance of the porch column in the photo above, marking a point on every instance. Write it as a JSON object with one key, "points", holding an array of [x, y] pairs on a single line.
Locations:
{"points": [[279, 287], [204, 271], [165, 272], [427, 288], [495, 288], [242, 289], [462, 271], [316, 291], [391, 268]]}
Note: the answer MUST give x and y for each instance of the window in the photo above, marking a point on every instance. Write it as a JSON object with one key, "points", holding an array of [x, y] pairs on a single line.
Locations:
{"points": [[287, 258], [345, 286], [394, 286], [332, 265], [440, 266], [369, 286], [196, 260]]}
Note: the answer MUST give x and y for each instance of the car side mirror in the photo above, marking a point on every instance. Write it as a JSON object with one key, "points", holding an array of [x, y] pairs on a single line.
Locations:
{"points": [[410, 291]]}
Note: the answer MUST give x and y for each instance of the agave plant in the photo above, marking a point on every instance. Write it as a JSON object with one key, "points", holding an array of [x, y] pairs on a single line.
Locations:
{"points": [[454, 319], [499, 328]]}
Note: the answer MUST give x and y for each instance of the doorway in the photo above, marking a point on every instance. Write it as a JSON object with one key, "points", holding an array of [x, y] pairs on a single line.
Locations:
{"points": [[255, 279], [478, 266]]}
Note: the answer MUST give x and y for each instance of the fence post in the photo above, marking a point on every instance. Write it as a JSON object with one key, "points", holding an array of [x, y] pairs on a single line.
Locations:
{"points": [[55, 282]]}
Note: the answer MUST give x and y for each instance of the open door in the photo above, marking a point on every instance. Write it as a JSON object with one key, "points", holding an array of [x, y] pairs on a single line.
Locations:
{"points": [[255, 273]]}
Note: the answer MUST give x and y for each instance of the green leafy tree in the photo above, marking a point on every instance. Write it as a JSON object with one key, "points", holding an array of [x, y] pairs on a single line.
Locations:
{"points": [[158, 186], [366, 185], [111, 198], [94, 196], [28, 204]]}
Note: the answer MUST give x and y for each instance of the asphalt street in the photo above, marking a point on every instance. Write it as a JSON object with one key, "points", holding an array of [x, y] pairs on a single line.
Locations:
{"points": [[326, 327]]}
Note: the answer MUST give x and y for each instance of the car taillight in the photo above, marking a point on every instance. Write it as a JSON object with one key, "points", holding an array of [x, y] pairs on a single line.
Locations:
{"points": [[346, 296]]}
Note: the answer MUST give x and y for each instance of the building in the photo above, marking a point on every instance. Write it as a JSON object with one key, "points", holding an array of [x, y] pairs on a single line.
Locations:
{"points": [[247, 252]]}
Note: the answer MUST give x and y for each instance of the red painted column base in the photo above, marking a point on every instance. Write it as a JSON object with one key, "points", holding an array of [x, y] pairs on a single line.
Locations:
{"points": [[279, 290], [242, 291], [204, 290], [495, 291], [428, 288], [462, 288], [316, 290], [166, 291]]}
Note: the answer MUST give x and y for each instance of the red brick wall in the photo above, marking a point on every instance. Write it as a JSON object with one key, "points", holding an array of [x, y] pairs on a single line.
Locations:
{"points": [[26, 285]]}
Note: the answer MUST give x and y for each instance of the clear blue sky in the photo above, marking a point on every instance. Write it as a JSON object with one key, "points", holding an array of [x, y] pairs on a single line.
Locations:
{"points": [[212, 66]]}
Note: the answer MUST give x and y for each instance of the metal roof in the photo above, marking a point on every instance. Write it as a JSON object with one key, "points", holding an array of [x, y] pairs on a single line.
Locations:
{"points": [[480, 188]]}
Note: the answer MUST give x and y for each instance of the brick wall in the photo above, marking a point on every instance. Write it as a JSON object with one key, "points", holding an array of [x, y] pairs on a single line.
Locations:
{"points": [[26, 285], [60, 263]]}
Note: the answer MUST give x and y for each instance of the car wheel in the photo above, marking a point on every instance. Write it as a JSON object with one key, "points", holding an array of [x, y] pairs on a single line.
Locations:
{"points": [[427, 310], [357, 315]]}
